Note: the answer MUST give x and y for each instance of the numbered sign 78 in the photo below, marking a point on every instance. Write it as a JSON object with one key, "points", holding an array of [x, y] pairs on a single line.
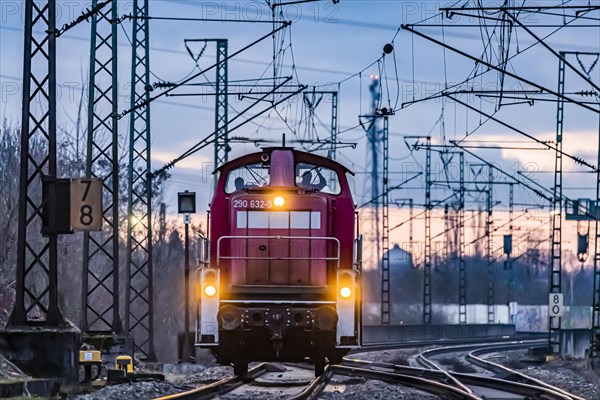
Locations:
{"points": [[86, 204]]}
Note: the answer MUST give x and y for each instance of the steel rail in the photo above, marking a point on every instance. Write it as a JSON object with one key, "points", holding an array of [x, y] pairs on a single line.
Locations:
{"points": [[497, 368], [314, 389], [527, 390], [525, 385], [520, 388], [218, 388], [423, 359], [430, 364], [316, 386], [428, 373], [376, 346], [427, 385]]}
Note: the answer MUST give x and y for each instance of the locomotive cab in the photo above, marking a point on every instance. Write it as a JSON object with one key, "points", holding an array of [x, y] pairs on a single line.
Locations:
{"points": [[282, 280]]}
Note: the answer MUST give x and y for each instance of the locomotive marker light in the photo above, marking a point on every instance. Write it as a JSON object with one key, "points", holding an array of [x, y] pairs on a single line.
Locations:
{"points": [[345, 307], [279, 201], [209, 284], [186, 205], [210, 290], [209, 309], [345, 292]]}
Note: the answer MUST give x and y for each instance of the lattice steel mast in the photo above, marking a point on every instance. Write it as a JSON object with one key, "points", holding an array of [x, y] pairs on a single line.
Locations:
{"points": [[511, 272], [139, 304], [334, 124], [554, 323], [595, 334], [462, 273], [491, 295], [427, 253], [100, 286], [385, 259], [221, 95], [372, 183], [37, 274]]}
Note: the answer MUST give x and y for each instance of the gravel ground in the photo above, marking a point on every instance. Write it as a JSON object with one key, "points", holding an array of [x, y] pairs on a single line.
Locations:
{"points": [[358, 389], [152, 389], [135, 391], [398, 357], [211, 373], [574, 376]]}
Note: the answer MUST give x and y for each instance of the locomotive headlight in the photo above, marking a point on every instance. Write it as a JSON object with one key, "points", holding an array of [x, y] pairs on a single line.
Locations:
{"points": [[278, 201], [210, 290], [345, 292]]}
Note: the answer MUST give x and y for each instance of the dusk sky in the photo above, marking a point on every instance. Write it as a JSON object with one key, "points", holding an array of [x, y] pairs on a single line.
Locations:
{"points": [[330, 46]]}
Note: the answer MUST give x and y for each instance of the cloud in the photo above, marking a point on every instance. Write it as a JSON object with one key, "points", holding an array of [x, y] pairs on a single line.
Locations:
{"points": [[575, 143], [196, 162]]}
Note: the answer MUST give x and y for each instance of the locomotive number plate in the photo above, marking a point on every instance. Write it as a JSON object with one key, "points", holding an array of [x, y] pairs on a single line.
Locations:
{"points": [[243, 203]]}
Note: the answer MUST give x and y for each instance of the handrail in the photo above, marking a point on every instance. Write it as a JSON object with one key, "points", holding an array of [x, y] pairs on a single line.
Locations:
{"points": [[278, 237]]}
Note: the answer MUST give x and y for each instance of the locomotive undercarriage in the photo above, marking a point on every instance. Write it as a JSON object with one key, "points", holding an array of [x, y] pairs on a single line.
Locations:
{"points": [[277, 333]]}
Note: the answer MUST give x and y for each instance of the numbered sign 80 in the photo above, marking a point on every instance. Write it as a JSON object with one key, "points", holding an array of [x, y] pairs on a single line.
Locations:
{"points": [[555, 305]]}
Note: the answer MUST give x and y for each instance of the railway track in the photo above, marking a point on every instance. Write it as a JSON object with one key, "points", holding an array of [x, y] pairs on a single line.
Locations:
{"points": [[220, 387], [498, 382], [498, 379]]}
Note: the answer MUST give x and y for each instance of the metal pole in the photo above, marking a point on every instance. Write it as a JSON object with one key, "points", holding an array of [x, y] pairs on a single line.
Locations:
{"points": [[595, 334], [427, 255], [385, 260], [139, 310], [101, 249], [221, 97], [186, 340], [334, 124], [491, 298], [37, 256], [462, 273], [554, 323], [511, 273]]}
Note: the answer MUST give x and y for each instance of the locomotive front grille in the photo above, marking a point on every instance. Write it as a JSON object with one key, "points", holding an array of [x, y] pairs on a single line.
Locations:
{"points": [[278, 261], [321, 239]]}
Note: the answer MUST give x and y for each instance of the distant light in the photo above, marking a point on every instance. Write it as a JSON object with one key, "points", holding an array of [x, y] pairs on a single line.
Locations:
{"points": [[279, 202], [136, 220]]}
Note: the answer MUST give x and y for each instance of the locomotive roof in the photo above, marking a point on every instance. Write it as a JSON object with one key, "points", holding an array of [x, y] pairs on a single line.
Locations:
{"points": [[300, 156]]}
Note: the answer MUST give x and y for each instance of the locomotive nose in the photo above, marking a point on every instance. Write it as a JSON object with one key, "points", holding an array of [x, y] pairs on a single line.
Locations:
{"points": [[326, 318], [229, 317]]}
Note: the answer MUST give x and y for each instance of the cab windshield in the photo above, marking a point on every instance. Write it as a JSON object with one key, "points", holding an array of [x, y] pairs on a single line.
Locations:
{"points": [[310, 176], [247, 177]]}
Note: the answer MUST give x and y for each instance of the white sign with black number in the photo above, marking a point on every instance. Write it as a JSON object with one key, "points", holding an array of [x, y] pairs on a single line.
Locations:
{"points": [[86, 204], [555, 305]]}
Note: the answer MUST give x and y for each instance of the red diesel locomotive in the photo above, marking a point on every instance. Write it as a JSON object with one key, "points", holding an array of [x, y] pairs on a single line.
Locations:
{"points": [[282, 281]]}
